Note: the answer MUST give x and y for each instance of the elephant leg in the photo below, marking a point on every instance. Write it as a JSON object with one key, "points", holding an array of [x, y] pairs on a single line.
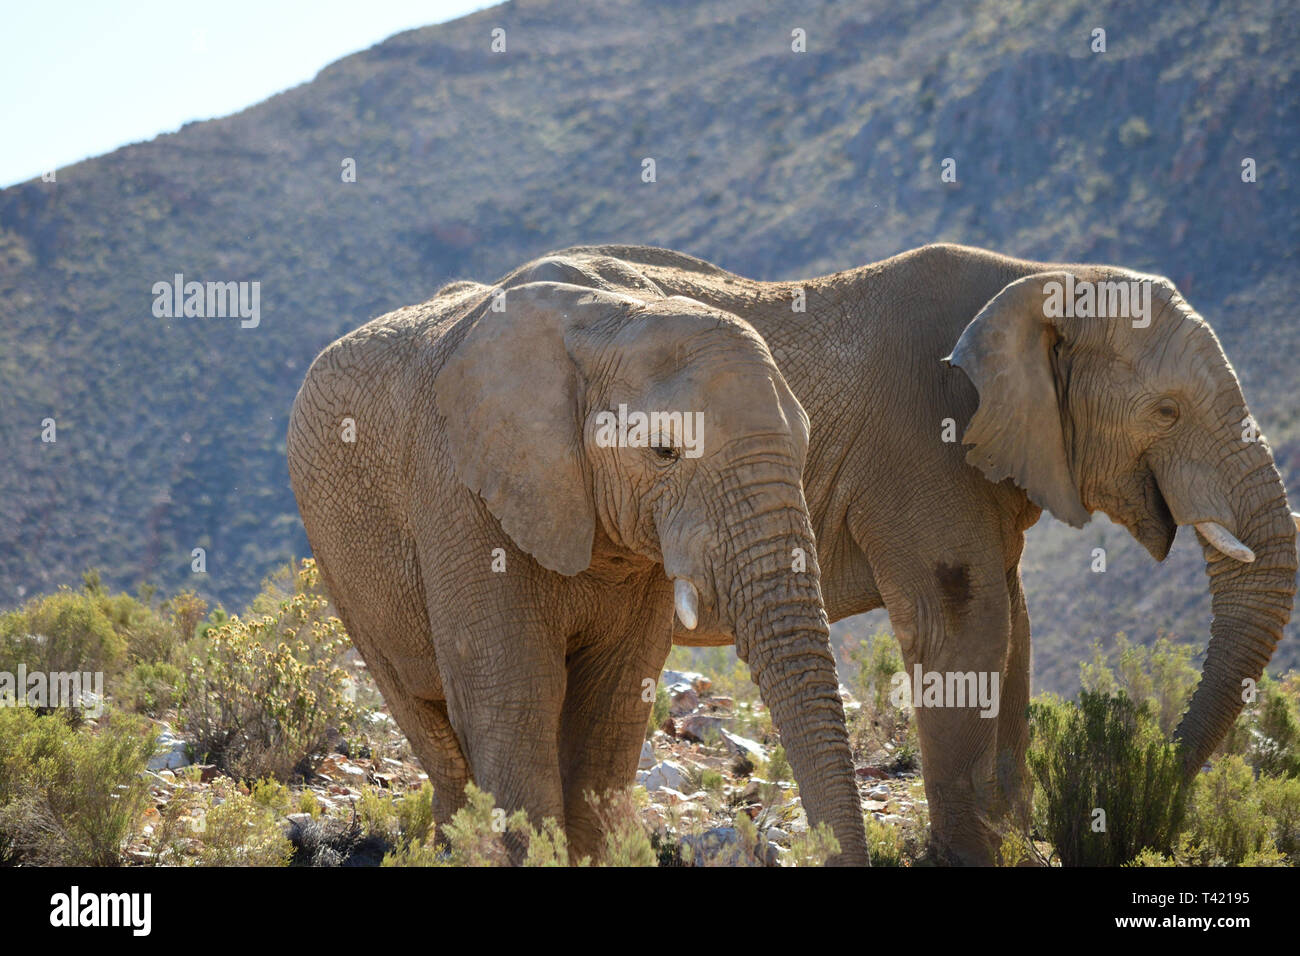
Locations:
{"points": [[954, 620], [435, 745], [385, 615], [1013, 719], [504, 677], [604, 722]]}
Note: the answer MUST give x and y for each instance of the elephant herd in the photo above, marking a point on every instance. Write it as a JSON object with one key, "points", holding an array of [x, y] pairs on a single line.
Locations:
{"points": [[515, 532]]}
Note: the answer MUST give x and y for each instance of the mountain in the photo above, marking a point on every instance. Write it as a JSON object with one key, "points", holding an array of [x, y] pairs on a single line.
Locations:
{"points": [[776, 164]]}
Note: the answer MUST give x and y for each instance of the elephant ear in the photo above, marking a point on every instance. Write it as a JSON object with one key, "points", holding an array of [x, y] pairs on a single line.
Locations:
{"points": [[512, 397], [1018, 432]]}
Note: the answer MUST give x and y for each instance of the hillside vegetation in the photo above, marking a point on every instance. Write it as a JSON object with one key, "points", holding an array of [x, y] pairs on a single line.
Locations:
{"points": [[261, 739], [170, 432]]}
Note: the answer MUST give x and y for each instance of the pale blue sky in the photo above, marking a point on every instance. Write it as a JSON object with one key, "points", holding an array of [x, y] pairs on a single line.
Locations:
{"points": [[84, 77]]}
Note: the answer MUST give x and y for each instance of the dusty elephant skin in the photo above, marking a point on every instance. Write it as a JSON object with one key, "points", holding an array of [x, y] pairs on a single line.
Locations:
{"points": [[510, 574], [1141, 418]]}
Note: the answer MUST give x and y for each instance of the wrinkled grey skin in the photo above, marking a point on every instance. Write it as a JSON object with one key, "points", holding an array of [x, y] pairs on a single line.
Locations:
{"points": [[475, 430], [1079, 415]]}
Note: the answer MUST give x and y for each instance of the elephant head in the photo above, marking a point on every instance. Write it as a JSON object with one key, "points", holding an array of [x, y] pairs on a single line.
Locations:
{"points": [[1090, 401], [543, 406]]}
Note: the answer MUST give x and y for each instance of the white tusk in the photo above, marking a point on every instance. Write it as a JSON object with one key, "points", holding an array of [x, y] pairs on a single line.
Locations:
{"points": [[1295, 516], [687, 601], [1224, 541]]}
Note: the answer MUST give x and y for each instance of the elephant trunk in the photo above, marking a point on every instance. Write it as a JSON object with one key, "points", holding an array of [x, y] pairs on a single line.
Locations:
{"points": [[1251, 603], [783, 635]]}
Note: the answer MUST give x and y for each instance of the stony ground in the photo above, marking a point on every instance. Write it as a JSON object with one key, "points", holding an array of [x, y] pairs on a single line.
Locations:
{"points": [[711, 759]]}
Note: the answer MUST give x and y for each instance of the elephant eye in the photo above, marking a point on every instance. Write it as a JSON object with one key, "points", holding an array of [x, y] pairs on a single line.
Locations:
{"points": [[666, 452], [1167, 411]]}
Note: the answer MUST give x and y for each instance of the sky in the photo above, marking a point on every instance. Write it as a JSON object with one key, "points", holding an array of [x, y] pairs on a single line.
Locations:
{"points": [[84, 77]]}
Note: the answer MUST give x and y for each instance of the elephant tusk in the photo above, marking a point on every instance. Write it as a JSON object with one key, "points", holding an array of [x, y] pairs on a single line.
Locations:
{"points": [[1224, 541], [687, 601], [1295, 516]]}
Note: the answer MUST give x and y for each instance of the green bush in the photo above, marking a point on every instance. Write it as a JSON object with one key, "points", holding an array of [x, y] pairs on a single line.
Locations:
{"points": [[150, 688], [627, 843], [267, 693], [659, 711], [878, 660], [480, 834], [402, 820], [1267, 734], [67, 631], [1161, 676], [69, 797], [240, 831], [884, 843], [1226, 820], [1279, 798], [159, 635], [1104, 754], [222, 825]]}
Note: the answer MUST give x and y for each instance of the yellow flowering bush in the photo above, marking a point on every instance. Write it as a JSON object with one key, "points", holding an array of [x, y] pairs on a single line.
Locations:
{"points": [[266, 694]]}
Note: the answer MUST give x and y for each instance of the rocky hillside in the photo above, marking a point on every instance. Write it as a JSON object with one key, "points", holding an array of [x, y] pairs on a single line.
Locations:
{"points": [[170, 431]]}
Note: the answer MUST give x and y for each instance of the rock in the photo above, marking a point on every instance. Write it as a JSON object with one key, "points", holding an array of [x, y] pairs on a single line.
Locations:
{"points": [[670, 797], [879, 793], [873, 773], [875, 806], [172, 752], [337, 767], [647, 756], [683, 697], [656, 818], [665, 774], [777, 835], [207, 772], [669, 728], [893, 819], [741, 746], [699, 727], [699, 682], [719, 703], [722, 846]]}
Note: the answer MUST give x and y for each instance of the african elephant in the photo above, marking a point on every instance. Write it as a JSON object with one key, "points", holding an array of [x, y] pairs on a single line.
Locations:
{"points": [[1143, 420], [508, 562]]}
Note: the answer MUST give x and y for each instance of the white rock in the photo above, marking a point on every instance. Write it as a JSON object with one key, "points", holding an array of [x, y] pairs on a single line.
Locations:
{"points": [[697, 681], [647, 756], [170, 753], [666, 774], [742, 746]]}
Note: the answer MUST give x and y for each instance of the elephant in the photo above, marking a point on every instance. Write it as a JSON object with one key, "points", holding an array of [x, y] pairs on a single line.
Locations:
{"points": [[1141, 419], [509, 563]]}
